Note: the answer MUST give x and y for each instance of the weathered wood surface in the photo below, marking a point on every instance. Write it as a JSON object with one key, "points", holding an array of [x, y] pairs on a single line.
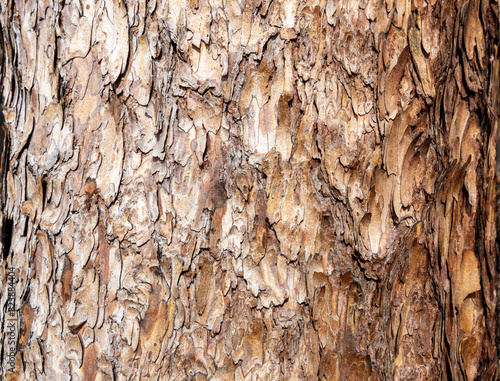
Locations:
{"points": [[251, 190]]}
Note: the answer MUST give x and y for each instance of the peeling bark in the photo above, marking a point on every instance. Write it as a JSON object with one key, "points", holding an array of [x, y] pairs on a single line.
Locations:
{"points": [[250, 190]]}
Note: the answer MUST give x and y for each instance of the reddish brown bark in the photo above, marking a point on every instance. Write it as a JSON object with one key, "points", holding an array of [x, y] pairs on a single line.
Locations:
{"points": [[250, 190]]}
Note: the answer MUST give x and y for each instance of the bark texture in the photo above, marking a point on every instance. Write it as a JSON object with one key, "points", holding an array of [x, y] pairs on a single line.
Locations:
{"points": [[251, 190]]}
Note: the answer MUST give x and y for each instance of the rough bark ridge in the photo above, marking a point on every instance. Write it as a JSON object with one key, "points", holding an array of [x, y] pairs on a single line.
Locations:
{"points": [[251, 189]]}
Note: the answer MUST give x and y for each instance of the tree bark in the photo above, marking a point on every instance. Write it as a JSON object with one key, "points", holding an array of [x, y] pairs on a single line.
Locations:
{"points": [[245, 190]]}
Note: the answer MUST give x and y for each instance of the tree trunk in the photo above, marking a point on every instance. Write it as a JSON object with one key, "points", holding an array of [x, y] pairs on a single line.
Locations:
{"points": [[249, 190]]}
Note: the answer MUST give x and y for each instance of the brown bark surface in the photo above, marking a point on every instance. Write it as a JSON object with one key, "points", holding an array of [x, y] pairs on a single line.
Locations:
{"points": [[250, 190]]}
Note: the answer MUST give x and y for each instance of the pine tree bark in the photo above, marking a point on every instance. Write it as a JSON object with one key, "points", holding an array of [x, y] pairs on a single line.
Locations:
{"points": [[243, 190]]}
